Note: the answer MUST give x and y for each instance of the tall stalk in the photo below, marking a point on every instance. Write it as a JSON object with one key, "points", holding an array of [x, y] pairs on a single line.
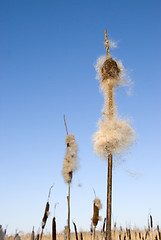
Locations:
{"points": [[109, 198], [113, 135], [69, 166], [109, 177], [68, 198]]}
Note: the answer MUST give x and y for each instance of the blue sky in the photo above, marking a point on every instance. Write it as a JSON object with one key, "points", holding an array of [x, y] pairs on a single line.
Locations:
{"points": [[47, 54]]}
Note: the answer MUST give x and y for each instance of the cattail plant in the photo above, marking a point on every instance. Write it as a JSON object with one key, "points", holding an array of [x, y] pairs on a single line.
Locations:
{"points": [[37, 237], [46, 214], [75, 229], [65, 232], [69, 166], [159, 233], [113, 135], [54, 229], [32, 234], [2, 233], [103, 228], [54, 224], [96, 207], [17, 237], [151, 222], [91, 230], [81, 236]]}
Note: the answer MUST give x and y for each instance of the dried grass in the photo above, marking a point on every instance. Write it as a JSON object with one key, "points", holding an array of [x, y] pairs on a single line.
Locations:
{"points": [[117, 234]]}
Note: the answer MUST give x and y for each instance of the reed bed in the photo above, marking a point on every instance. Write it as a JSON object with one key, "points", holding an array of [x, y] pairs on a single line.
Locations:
{"points": [[116, 234]]}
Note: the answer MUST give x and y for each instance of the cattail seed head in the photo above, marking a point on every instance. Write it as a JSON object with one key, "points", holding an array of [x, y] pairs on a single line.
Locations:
{"points": [[98, 203], [46, 214], [70, 159], [110, 70], [112, 137], [54, 229], [151, 221], [96, 207]]}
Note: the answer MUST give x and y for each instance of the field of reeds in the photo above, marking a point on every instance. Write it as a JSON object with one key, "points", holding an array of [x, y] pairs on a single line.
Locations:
{"points": [[117, 234]]}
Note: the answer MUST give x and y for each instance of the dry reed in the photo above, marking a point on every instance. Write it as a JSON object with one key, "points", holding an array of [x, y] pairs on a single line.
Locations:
{"points": [[116, 234]]}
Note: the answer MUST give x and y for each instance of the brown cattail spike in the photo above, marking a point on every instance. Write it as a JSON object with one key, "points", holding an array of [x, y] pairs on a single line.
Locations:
{"points": [[75, 228], [151, 222], [54, 229], [95, 215], [110, 70], [45, 217], [81, 236], [37, 237], [96, 207]]}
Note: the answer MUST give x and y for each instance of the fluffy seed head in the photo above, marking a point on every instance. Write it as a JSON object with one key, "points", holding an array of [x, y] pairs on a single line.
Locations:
{"points": [[70, 159], [112, 137], [110, 71], [97, 202]]}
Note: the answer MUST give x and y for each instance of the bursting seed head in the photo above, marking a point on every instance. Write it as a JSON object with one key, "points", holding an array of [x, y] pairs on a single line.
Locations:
{"points": [[110, 70]]}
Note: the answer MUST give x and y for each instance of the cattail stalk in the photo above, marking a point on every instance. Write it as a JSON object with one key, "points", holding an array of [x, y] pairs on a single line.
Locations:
{"points": [[113, 135], [32, 234], [45, 217], [68, 199], [54, 229], [109, 198], [81, 236], [69, 166], [96, 207], [46, 213], [109, 177], [94, 233], [103, 228], [75, 229]]}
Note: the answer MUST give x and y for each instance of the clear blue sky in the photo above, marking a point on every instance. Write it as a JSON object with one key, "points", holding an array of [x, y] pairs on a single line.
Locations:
{"points": [[48, 49]]}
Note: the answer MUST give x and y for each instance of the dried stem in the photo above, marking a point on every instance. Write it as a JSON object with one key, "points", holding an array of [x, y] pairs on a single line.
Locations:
{"points": [[107, 45], [65, 125], [75, 228], [109, 198], [68, 198], [94, 233], [109, 177], [50, 191]]}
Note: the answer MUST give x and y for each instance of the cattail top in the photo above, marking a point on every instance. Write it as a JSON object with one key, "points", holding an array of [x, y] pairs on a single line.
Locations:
{"points": [[70, 160], [110, 72], [96, 207], [98, 203]]}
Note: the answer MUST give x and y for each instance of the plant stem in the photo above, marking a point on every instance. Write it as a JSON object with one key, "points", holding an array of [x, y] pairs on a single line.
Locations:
{"points": [[94, 232], [109, 177], [109, 198], [68, 198]]}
